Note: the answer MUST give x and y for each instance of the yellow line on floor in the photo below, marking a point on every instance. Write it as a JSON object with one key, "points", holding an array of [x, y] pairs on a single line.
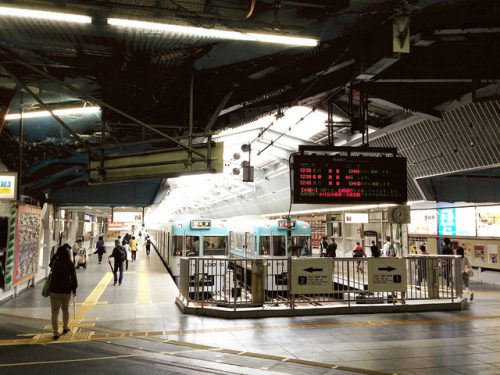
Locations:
{"points": [[68, 360], [143, 295]]}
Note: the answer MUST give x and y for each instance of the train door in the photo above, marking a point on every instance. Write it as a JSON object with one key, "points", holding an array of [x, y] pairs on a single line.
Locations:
{"points": [[279, 245], [176, 251]]}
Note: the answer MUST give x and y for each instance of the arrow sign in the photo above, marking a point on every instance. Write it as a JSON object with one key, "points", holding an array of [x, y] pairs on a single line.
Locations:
{"points": [[311, 269], [388, 269]]}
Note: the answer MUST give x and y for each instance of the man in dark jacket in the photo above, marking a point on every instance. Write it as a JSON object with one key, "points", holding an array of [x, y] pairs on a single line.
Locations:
{"points": [[331, 250], [119, 255], [63, 282]]}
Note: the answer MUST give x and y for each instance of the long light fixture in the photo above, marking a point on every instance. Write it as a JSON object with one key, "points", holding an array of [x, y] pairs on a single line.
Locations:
{"points": [[213, 33], [58, 112], [44, 15]]}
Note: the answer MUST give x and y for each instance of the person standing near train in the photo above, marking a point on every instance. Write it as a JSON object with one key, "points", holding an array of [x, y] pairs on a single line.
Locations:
{"points": [[100, 248]]}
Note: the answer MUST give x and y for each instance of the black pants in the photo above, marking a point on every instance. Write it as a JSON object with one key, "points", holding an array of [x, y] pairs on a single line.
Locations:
{"points": [[134, 255], [148, 250], [99, 256]]}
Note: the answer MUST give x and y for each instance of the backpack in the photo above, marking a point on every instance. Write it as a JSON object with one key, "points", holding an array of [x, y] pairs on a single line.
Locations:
{"points": [[392, 251], [123, 254]]}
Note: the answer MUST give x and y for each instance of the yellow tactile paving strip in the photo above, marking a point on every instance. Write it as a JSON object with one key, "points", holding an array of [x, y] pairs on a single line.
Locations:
{"points": [[143, 295], [87, 336], [192, 348]]}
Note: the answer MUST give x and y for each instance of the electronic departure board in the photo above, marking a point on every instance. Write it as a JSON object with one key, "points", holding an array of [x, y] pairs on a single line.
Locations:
{"points": [[348, 179], [201, 224]]}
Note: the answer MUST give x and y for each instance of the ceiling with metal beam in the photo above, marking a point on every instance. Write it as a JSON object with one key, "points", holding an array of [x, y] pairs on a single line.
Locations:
{"points": [[389, 63]]}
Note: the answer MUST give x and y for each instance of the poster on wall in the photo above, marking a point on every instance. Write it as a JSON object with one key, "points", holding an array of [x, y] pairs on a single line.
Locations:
{"points": [[479, 253], [8, 186], [459, 221], [423, 222], [28, 232], [488, 221]]}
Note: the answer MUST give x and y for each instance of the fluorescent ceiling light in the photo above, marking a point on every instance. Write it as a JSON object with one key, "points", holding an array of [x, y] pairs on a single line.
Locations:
{"points": [[58, 112], [53, 16], [214, 33]]}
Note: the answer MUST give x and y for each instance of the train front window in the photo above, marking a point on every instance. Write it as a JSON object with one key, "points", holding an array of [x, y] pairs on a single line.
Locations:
{"points": [[214, 245], [265, 245], [279, 246], [300, 245], [192, 246], [177, 246]]}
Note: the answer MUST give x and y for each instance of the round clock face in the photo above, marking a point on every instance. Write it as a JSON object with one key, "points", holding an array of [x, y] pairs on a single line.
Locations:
{"points": [[398, 215]]}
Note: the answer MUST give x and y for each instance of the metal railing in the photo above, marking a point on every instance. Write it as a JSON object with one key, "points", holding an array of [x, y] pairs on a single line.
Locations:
{"points": [[268, 282]]}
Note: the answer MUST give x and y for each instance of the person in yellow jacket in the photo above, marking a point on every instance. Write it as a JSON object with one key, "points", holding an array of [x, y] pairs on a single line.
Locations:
{"points": [[133, 248]]}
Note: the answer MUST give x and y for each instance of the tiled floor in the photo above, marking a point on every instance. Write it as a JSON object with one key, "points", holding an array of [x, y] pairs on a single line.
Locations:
{"points": [[136, 328]]}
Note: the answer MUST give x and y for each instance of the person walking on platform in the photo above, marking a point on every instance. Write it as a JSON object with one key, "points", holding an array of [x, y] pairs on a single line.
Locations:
{"points": [[323, 245], [375, 250], [133, 248], [100, 248], [63, 282], [148, 245], [467, 271], [331, 249], [358, 252], [119, 255], [76, 249], [422, 267]]}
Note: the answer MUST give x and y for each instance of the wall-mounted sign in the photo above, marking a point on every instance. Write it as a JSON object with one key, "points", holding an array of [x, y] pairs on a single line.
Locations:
{"points": [[423, 222], [311, 276], [8, 186], [353, 179], [457, 221], [387, 275], [488, 221], [127, 217], [356, 218]]}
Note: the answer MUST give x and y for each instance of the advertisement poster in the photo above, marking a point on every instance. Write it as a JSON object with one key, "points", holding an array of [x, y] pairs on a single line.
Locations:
{"points": [[28, 231], [479, 253], [457, 221], [423, 222], [8, 186], [493, 253], [488, 221]]}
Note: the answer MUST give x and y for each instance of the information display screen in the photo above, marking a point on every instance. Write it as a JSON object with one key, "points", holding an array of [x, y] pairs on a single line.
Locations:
{"points": [[457, 221], [286, 224], [201, 224], [348, 179], [488, 221], [423, 222]]}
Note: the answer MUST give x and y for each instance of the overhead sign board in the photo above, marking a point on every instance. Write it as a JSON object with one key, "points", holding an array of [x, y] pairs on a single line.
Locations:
{"points": [[459, 221], [127, 217], [356, 218], [387, 275], [8, 186], [488, 221], [311, 276], [423, 222], [348, 179]]}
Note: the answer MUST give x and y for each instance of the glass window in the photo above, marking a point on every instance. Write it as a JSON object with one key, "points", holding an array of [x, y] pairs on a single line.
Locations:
{"points": [[249, 243], [176, 245], [300, 245], [192, 246], [214, 245], [265, 245], [279, 246]]}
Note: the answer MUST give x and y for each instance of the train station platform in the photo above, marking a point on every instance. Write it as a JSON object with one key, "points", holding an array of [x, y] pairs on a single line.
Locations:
{"points": [[136, 328]]}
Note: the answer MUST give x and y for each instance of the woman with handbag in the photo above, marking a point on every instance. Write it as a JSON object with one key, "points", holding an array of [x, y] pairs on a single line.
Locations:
{"points": [[467, 271], [62, 283]]}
